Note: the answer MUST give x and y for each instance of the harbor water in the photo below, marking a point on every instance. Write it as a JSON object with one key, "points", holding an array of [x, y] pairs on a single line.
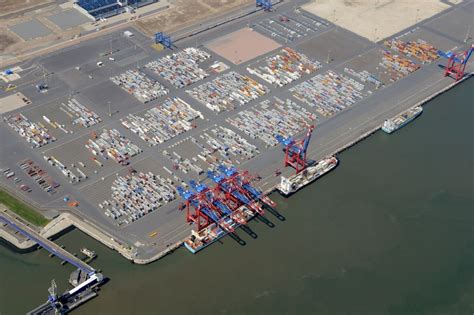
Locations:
{"points": [[389, 231]]}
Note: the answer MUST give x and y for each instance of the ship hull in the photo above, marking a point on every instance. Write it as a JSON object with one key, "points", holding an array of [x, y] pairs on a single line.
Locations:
{"points": [[248, 214], [403, 124], [333, 162]]}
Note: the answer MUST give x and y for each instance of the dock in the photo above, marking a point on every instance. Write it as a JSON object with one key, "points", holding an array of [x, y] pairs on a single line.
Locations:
{"points": [[87, 279], [45, 243]]}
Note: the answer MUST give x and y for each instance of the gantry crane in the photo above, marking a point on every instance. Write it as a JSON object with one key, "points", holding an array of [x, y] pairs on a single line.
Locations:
{"points": [[234, 178], [235, 193], [295, 151], [197, 216], [456, 62], [163, 39], [267, 5], [212, 208]]}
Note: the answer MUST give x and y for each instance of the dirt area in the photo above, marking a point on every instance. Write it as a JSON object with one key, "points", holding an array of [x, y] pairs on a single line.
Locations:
{"points": [[187, 12], [24, 11], [11, 6], [180, 14], [13, 102], [6, 41], [242, 45], [375, 19]]}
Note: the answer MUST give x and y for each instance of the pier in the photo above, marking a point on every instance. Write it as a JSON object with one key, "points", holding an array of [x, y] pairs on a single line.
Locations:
{"points": [[81, 293], [50, 246]]}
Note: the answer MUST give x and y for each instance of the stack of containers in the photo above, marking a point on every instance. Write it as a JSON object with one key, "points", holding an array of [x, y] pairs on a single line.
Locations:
{"points": [[39, 175], [181, 69], [271, 118], [111, 144], [228, 91], [329, 93], [35, 134], [162, 122], [419, 49], [140, 85], [397, 66], [285, 67], [135, 195], [80, 114], [365, 76]]}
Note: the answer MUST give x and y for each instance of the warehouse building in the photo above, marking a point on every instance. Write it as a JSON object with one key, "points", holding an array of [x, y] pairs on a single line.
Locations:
{"points": [[98, 9]]}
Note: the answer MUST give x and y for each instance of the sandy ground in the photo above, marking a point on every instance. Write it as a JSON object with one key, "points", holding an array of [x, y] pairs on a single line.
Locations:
{"points": [[10, 6], [187, 12], [6, 41], [180, 14], [12, 102], [242, 45], [375, 19]]}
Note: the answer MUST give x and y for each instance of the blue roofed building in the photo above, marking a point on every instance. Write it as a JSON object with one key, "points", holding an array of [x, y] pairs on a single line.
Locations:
{"points": [[98, 9]]}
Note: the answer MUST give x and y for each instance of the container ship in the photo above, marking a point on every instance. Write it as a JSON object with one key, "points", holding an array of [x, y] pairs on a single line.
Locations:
{"points": [[308, 175], [205, 237], [392, 125]]}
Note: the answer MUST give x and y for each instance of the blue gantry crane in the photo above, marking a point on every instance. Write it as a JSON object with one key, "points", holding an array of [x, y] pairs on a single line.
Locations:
{"points": [[295, 151], [225, 183], [197, 216], [267, 5], [163, 39], [231, 183], [223, 203], [205, 211]]}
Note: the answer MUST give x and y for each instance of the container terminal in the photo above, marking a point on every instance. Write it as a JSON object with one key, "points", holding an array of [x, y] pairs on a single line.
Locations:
{"points": [[152, 142]]}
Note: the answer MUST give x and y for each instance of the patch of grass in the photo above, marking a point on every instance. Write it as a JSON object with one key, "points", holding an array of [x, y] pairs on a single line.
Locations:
{"points": [[21, 209]]}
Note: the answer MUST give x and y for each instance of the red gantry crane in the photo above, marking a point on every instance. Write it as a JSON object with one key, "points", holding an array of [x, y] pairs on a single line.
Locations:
{"points": [[456, 62], [295, 151]]}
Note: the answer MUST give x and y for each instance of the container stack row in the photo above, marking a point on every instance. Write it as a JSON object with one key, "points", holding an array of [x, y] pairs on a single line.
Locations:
{"points": [[79, 114], [421, 50], [144, 88], [215, 146], [36, 134], [182, 68], [329, 93], [365, 77], [397, 66], [229, 144], [228, 91], [39, 175], [272, 117], [285, 67], [73, 173], [135, 195], [185, 165], [218, 67], [163, 122], [111, 144]]}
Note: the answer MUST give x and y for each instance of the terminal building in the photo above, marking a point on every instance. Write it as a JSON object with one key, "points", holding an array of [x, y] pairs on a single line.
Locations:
{"points": [[98, 9]]}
